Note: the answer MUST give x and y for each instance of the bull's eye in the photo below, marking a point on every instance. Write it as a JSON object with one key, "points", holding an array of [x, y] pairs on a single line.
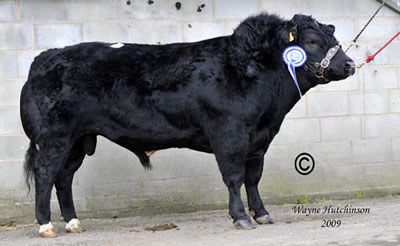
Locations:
{"points": [[313, 43], [313, 40]]}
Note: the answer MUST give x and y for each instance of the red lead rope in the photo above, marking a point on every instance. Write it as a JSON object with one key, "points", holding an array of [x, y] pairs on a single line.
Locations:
{"points": [[372, 57]]}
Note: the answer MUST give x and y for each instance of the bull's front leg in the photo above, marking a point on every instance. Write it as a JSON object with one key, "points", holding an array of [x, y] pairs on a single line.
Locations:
{"points": [[254, 170], [230, 152]]}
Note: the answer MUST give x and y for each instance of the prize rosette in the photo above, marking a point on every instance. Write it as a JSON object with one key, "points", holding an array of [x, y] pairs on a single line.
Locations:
{"points": [[294, 55]]}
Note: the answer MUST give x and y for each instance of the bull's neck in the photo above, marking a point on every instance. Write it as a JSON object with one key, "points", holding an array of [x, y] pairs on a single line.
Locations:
{"points": [[287, 92]]}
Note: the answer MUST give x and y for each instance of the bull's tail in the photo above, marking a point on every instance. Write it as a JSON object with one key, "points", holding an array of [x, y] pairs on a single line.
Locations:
{"points": [[30, 157]]}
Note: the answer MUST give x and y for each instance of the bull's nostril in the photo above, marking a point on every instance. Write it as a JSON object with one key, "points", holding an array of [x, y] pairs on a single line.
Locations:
{"points": [[350, 67], [350, 64]]}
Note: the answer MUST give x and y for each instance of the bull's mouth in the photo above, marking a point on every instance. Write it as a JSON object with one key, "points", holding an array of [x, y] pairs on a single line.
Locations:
{"points": [[334, 75]]}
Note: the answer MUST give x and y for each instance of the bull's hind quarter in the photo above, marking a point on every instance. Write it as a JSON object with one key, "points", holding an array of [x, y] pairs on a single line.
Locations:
{"points": [[226, 95]]}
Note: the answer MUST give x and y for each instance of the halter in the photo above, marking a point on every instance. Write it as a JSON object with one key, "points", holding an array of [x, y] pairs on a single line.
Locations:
{"points": [[318, 68], [295, 56]]}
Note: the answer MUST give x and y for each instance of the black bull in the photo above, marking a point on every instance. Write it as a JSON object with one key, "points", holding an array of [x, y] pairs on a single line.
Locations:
{"points": [[227, 96]]}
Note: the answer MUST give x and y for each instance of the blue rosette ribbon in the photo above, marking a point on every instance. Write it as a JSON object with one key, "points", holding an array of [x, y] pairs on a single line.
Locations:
{"points": [[294, 56]]}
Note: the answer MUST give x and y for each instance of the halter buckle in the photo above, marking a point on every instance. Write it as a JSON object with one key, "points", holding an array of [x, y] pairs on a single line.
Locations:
{"points": [[325, 62]]}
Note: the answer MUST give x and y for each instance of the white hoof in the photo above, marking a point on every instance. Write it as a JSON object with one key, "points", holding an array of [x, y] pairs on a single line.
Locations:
{"points": [[47, 230], [74, 226]]}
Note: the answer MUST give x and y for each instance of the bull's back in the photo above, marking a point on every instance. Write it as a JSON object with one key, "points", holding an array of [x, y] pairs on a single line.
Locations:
{"points": [[96, 67]]}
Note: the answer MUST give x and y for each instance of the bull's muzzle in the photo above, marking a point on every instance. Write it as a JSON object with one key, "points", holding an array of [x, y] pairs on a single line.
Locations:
{"points": [[350, 67]]}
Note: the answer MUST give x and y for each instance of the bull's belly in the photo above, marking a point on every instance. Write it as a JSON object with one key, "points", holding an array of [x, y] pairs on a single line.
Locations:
{"points": [[149, 145], [144, 139]]}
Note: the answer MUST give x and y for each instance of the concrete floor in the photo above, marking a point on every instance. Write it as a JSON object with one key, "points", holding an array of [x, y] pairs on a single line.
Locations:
{"points": [[380, 227]]}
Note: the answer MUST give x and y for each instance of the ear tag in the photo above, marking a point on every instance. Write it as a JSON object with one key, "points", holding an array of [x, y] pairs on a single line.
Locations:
{"points": [[294, 56], [291, 38]]}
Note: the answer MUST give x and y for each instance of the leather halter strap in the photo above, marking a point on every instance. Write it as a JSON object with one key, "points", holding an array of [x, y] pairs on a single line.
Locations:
{"points": [[318, 69]]}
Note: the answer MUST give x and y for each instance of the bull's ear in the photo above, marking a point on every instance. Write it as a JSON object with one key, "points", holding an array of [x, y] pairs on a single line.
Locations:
{"points": [[290, 33], [331, 28]]}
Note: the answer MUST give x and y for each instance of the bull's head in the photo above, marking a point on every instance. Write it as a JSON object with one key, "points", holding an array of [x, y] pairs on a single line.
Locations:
{"points": [[259, 41], [326, 59]]}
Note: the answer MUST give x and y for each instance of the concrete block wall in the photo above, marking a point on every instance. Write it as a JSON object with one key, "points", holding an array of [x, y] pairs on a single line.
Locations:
{"points": [[351, 127]]}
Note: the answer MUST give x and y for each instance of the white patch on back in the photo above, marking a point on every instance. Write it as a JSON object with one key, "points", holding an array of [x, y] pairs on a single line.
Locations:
{"points": [[117, 45]]}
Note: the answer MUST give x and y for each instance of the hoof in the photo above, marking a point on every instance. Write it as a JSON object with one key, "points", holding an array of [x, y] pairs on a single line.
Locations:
{"points": [[264, 220], [244, 225], [47, 230], [74, 226]]}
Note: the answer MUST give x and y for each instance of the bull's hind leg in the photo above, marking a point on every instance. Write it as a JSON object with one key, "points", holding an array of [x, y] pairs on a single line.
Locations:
{"points": [[48, 162], [64, 188], [254, 169]]}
